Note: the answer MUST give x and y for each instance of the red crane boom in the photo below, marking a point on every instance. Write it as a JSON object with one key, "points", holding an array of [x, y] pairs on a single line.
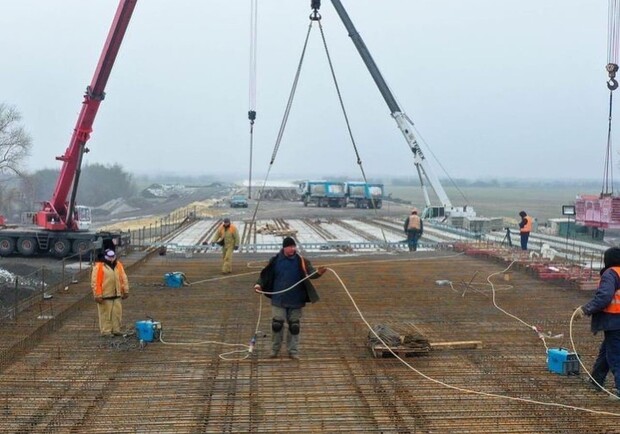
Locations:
{"points": [[58, 213]]}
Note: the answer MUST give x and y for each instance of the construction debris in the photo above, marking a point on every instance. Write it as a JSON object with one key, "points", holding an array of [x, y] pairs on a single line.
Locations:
{"points": [[401, 344], [273, 229]]}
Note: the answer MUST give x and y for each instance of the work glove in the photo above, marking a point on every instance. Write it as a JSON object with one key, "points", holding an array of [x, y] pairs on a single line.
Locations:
{"points": [[124, 296], [99, 300], [579, 313]]}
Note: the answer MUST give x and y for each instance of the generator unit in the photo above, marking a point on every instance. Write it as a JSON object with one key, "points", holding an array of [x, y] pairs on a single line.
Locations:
{"points": [[148, 330], [175, 279], [562, 361]]}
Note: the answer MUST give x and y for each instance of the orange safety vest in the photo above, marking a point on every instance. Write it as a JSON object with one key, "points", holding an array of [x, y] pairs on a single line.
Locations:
{"points": [[414, 222], [528, 224], [118, 270], [614, 306], [222, 230]]}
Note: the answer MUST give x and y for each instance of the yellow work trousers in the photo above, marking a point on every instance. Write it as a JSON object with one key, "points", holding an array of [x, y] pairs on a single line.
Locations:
{"points": [[227, 254], [110, 316]]}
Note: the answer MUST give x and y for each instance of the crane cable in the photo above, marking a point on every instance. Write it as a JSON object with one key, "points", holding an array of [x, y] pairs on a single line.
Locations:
{"points": [[438, 382], [252, 83], [248, 349], [287, 112], [452, 181], [427, 147], [314, 16], [613, 33], [346, 119]]}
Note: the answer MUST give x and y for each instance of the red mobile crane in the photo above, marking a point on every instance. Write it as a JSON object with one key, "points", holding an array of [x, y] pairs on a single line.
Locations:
{"points": [[57, 227]]}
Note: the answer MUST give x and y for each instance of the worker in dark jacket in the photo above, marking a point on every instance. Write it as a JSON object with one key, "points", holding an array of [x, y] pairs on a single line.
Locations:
{"points": [[605, 311], [284, 271]]}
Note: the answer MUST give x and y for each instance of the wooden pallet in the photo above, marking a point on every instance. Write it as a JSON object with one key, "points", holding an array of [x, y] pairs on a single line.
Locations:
{"points": [[380, 351]]}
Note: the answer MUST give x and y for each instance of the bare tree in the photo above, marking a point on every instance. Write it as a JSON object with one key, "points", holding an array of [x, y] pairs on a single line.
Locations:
{"points": [[15, 146], [15, 143]]}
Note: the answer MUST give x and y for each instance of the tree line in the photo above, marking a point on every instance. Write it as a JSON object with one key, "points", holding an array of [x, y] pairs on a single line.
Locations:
{"points": [[22, 191]]}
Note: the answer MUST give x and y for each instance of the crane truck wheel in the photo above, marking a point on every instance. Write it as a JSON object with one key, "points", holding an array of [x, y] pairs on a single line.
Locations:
{"points": [[26, 246], [61, 247], [82, 247], [7, 246]]}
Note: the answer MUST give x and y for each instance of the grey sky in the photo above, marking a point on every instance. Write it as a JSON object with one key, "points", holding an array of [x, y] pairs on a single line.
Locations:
{"points": [[496, 88]]}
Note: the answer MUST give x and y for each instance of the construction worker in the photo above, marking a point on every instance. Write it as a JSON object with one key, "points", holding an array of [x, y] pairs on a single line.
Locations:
{"points": [[285, 270], [605, 310], [414, 229], [109, 285], [227, 236], [525, 227]]}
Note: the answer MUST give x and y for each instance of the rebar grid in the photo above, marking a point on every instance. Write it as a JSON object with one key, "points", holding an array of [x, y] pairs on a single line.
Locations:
{"points": [[74, 382]]}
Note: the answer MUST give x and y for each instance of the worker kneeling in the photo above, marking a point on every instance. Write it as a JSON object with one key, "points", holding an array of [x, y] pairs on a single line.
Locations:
{"points": [[282, 276]]}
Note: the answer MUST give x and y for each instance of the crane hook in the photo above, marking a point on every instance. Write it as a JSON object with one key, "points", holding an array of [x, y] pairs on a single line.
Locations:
{"points": [[315, 15], [612, 83]]}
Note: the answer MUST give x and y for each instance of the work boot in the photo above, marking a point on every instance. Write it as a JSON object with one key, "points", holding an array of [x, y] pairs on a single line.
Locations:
{"points": [[592, 384], [273, 355], [293, 356]]}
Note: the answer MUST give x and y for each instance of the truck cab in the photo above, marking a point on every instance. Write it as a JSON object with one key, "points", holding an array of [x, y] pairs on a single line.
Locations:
{"points": [[83, 217]]}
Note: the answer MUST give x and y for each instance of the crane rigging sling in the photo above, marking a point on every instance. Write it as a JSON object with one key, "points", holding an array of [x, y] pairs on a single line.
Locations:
{"points": [[315, 16], [613, 33]]}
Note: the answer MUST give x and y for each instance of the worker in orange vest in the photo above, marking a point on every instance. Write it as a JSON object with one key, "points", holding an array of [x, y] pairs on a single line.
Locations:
{"points": [[525, 227], [605, 310], [109, 285], [414, 228]]}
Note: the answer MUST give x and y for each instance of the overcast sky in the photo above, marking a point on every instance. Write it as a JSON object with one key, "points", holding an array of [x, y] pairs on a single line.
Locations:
{"points": [[496, 88]]}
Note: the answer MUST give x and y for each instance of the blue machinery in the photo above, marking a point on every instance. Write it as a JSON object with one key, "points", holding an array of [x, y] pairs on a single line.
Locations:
{"points": [[563, 362], [148, 331]]}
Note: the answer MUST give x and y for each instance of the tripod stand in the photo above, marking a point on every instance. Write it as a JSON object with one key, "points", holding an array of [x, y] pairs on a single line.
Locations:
{"points": [[506, 239]]}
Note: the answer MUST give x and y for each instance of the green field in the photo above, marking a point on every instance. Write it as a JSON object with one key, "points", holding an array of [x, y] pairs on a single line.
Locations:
{"points": [[542, 203]]}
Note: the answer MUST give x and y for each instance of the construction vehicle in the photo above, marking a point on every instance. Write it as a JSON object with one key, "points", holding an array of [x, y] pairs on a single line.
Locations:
{"points": [[238, 201], [363, 195], [323, 193], [62, 227], [445, 210]]}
